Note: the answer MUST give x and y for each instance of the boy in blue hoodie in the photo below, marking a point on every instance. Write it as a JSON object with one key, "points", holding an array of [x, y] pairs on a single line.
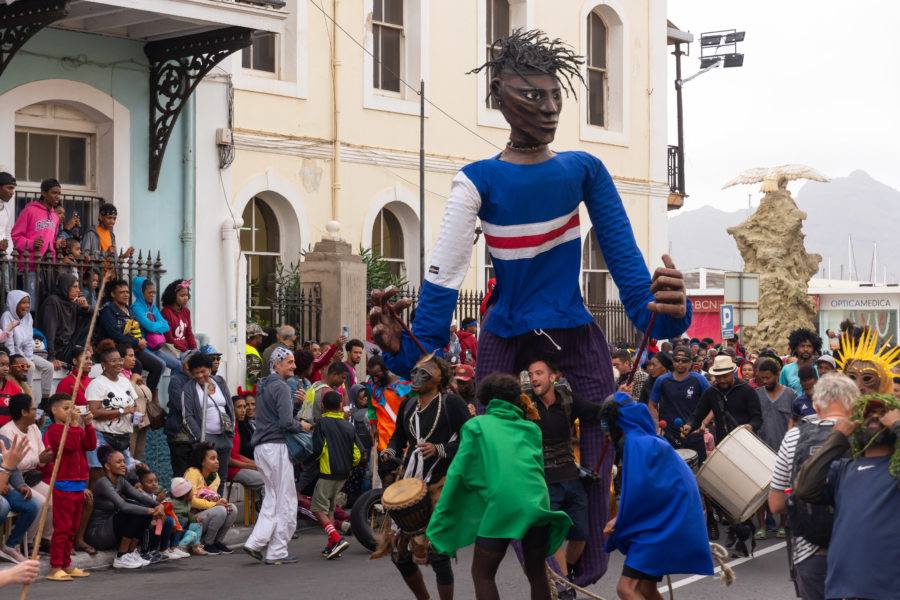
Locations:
{"points": [[153, 325]]}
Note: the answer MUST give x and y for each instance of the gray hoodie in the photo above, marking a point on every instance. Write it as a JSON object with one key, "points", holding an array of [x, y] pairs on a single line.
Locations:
{"points": [[274, 412]]}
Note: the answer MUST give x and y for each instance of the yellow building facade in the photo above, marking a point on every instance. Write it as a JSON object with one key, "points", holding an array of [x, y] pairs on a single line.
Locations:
{"points": [[317, 81]]}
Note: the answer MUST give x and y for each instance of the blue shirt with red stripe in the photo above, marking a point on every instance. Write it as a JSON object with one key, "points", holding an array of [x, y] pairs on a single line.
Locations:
{"points": [[530, 218]]}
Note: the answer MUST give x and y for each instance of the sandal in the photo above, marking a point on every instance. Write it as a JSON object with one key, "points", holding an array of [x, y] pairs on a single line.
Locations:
{"points": [[781, 533], [761, 535], [59, 575], [76, 572], [85, 548]]}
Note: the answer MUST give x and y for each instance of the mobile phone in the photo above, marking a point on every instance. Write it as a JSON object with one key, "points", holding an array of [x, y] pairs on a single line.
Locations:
{"points": [[345, 331], [82, 410]]}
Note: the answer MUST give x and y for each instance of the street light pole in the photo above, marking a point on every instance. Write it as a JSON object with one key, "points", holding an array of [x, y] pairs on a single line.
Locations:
{"points": [[678, 83]]}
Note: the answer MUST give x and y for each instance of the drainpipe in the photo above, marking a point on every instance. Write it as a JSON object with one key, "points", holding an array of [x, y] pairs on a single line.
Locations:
{"points": [[188, 191], [233, 355], [336, 144]]}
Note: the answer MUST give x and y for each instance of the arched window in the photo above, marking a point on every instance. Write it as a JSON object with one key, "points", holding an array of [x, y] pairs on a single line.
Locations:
{"points": [[387, 240], [260, 243], [605, 109], [595, 280], [598, 82]]}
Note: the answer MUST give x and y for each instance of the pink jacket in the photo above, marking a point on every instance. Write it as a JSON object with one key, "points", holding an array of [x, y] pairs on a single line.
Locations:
{"points": [[35, 221]]}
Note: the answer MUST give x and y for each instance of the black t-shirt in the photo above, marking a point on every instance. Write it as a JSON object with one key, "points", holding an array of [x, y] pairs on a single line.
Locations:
{"points": [[556, 428]]}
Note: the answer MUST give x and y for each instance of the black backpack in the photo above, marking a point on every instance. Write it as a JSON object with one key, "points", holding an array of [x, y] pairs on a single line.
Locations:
{"points": [[813, 522]]}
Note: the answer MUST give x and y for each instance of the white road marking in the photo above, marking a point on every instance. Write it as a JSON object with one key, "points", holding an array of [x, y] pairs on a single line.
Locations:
{"points": [[732, 564]]}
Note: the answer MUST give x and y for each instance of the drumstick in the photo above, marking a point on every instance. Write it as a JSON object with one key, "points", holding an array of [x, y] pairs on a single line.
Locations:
{"points": [[65, 433], [404, 327]]}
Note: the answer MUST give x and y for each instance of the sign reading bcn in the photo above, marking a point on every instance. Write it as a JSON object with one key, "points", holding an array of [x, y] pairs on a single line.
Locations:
{"points": [[707, 305], [855, 303]]}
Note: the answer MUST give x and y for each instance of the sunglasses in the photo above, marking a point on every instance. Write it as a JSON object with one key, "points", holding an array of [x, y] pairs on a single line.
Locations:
{"points": [[681, 360]]}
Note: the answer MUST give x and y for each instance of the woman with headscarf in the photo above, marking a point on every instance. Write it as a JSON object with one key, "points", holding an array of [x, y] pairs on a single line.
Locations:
{"points": [[21, 338], [153, 325], [64, 318]]}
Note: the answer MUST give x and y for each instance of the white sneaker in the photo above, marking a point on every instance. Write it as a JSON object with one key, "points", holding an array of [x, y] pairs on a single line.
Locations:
{"points": [[177, 553], [138, 559], [126, 561], [12, 554]]}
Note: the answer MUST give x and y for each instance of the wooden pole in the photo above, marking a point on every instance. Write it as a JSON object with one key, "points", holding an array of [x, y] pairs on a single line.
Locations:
{"points": [[404, 327], [65, 433]]}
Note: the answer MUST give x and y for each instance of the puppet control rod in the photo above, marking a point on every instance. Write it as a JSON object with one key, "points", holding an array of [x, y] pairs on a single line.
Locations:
{"points": [[65, 433]]}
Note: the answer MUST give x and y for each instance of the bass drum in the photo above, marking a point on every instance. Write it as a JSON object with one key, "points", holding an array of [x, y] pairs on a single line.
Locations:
{"points": [[367, 517]]}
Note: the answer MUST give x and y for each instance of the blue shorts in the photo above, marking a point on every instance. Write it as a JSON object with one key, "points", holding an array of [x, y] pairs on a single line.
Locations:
{"points": [[571, 498]]}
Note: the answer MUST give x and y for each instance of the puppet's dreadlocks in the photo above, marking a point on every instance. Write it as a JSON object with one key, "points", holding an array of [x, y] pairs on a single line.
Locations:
{"points": [[529, 52]]}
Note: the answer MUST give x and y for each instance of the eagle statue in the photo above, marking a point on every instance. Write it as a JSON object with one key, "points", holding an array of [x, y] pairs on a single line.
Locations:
{"points": [[776, 178]]}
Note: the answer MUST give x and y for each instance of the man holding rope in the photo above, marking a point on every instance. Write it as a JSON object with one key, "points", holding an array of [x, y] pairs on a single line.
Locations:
{"points": [[528, 201]]}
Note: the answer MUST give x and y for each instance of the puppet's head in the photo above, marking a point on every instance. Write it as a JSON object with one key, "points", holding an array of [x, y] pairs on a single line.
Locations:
{"points": [[867, 365], [529, 72]]}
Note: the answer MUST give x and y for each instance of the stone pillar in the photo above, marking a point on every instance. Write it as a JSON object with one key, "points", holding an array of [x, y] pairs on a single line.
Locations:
{"points": [[341, 276]]}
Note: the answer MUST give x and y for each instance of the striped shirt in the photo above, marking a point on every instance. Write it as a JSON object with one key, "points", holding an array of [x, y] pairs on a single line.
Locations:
{"points": [[783, 477]]}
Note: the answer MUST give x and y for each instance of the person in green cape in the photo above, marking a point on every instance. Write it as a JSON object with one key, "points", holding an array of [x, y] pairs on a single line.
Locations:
{"points": [[493, 495]]}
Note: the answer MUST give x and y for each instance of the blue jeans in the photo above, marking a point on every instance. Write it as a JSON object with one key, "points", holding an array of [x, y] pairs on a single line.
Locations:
{"points": [[170, 361], [28, 511]]}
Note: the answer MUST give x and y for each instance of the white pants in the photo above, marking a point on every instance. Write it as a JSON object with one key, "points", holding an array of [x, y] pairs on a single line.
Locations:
{"points": [[277, 518], [43, 371]]}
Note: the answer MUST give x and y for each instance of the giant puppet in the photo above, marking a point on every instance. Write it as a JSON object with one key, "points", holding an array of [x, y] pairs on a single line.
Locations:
{"points": [[527, 199]]}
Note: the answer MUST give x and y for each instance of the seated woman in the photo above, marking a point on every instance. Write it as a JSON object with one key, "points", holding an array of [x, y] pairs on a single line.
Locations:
{"points": [[241, 468], [23, 412], [153, 326], [116, 321], [214, 513], [21, 340], [248, 425], [67, 385], [111, 399], [175, 311], [64, 318], [116, 522]]}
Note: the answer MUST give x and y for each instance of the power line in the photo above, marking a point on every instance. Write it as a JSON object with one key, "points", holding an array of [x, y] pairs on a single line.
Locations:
{"points": [[411, 88]]}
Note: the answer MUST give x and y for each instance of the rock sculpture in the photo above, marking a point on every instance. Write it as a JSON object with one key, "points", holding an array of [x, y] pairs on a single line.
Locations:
{"points": [[771, 244]]}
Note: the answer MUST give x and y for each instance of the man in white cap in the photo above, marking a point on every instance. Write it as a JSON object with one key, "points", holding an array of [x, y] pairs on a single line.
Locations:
{"points": [[275, 419]]}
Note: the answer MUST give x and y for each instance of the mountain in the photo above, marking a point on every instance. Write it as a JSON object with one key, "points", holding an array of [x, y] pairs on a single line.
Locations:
{"points": [[857, 206]]}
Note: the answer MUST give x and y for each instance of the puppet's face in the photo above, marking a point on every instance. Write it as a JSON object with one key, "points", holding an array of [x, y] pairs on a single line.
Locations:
{"points": [[531, 106], [869, 377], [425, 378]]}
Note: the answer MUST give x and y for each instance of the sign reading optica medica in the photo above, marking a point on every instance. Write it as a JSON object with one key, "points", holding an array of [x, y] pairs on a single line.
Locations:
{"points": [[857, 303]]}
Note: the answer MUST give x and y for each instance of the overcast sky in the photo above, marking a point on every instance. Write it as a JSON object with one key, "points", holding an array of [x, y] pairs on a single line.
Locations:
{"points": [[820, 86]]}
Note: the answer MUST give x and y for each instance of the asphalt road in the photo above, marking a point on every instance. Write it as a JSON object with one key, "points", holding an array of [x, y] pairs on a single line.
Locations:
{"points": [[763, 577]]}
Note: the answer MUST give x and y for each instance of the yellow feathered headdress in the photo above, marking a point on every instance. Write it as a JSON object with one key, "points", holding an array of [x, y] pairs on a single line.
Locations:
{"points": [[866, 349]]}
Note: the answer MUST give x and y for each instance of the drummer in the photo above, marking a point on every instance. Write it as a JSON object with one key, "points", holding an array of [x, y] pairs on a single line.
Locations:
{"points": [[427, 437], [659, 526]]}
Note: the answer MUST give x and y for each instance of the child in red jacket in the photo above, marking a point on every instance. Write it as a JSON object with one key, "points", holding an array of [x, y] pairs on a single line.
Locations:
{"points": [[71, 482]]}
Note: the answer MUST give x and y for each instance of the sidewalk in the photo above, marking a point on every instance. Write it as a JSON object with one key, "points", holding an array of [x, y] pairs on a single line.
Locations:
{"points": [[104, 559]]}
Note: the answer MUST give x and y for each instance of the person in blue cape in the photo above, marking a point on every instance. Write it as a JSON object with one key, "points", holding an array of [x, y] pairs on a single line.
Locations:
{"points": [[660, 526]]}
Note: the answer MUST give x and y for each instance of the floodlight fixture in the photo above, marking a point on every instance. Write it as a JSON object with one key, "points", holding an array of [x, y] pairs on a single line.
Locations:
{"points": [[734, 60], [731, 38], [710, 40], [706, 63]]}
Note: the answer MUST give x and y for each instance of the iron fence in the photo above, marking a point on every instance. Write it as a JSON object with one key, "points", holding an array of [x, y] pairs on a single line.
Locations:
{"points": [[467, 305], [614, 322], [301, 308], [610, 316], [38, 275]]}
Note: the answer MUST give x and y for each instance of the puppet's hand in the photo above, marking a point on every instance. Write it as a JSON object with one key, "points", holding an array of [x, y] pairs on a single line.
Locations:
{"points": [[668, 290], [386, 330]]}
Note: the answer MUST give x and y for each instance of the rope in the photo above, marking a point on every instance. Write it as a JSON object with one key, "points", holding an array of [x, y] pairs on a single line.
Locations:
{"points": [[557, 578], [719, 555]]}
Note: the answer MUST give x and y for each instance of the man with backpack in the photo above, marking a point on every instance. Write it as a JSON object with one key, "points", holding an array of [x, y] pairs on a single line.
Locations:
{"points": [[833, 397]]}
